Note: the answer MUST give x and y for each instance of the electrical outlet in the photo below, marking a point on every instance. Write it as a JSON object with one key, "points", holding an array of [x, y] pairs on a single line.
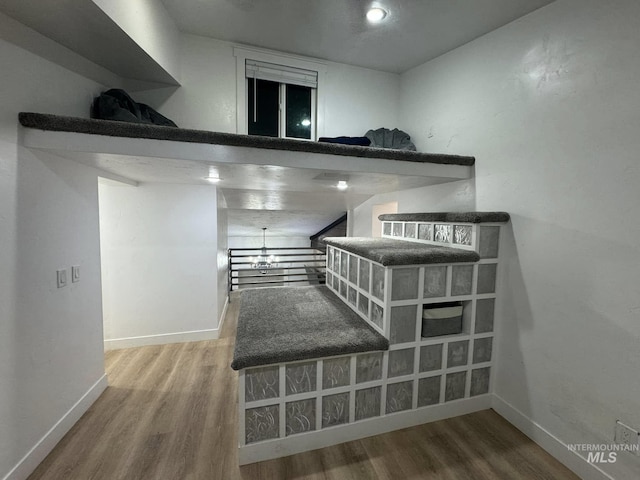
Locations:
{"points": [[75, 273], [626, 435], [61, 276]]}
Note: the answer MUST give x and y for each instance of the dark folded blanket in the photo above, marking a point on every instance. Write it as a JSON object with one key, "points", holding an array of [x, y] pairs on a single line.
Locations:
{"points": [[117, 105], [362, 141]]}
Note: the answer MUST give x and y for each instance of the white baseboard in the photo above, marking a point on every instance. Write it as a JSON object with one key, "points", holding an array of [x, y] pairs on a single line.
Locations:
{"points": [[345, 433], [553, 445], [162, 339], [37, 454]]}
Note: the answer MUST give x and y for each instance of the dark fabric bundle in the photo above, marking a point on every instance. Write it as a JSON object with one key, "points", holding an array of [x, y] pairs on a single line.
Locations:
{"points": [[116, 104], [362, 141]]}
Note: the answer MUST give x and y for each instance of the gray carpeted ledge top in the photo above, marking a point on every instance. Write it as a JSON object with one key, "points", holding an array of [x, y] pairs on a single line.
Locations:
{"points": [[462, 217], [390, 252], [287, 324], [59, 123]]}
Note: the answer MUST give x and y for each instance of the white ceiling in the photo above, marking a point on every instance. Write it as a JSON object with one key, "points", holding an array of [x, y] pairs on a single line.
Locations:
{"points": [[414, 31]]}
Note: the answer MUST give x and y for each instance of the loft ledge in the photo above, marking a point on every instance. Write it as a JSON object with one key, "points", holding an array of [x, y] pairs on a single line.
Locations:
{"points": [[450, 217], [90, 126], [390, 252]]}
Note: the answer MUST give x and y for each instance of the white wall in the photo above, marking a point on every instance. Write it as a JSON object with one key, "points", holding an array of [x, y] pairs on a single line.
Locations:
{"points": [[50, 338], [159, 246], [549, 106], [223, 260]]}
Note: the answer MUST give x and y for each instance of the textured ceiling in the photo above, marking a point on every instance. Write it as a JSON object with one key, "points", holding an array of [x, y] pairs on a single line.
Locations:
{"points": [[414, 31]]}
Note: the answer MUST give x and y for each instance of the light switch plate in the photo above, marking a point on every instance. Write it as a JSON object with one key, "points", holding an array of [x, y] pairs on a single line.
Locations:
{"points": [[75, 273], [62, 278]]}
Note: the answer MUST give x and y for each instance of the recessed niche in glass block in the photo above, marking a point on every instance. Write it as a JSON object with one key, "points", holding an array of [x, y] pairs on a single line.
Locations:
{"points": [[377, 284], [487, 278], [300, 416], [368, 367], [343, 264], [353, 296], [482, 349], [462, 234], [335, 372], [484, 315], [399, 396], [300, 378], [363, 305], [435, 282], [488, 242], [403, 324], [442, 233], [335, 409], [397, 229], [386, 228], [363, 279], [261, 423], [457, 353], [480, 381], [429, 391], [425, 231], [377, 314], [261, 383], [410, 230], [400, 362], [368, 403], [455, 385], [404, 283], [353, 269], [430, 357], [343, 288], [461, 279]]}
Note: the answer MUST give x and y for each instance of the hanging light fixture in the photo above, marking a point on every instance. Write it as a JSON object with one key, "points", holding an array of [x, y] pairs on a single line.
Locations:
{"points": [[263, 262]]}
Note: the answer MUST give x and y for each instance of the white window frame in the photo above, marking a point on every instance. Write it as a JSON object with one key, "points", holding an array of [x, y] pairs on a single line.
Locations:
{"points": [[242, 89]]}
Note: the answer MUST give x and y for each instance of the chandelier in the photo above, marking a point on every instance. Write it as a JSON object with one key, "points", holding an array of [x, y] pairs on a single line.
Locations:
{"points": [[263, 262]]}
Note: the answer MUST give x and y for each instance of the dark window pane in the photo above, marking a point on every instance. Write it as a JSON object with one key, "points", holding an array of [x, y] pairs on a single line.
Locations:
{"points": [[298, 112], [266, 117]]}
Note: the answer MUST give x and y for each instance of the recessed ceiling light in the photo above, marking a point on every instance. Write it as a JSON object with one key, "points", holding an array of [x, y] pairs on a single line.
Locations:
{"points": [[376, 14], [342, 185], [214, 176], [212, 179]]}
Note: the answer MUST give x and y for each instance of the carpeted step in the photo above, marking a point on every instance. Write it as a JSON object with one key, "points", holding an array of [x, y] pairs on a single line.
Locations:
{"points": [[449, 217]]}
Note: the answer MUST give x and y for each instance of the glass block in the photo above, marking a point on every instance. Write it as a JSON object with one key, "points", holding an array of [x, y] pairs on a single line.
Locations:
{"points": [[461, 279], [336, 262], [300, 378], [403, 324], [400, 362], [410, 230], [480, 381], [462, 234], [363, 279], [457, 353], [335, 409], [330, 258], [482, 349], [430, 357], [435, 282], [484, 315], [335, 372], [377, 314], [353, 269], [429, 391], [386, 228], [353, 296], [377, 286], [343, 288], [455, 385], [261, 383], [488, 243], [425, 231], [442, 233], [300, 416], [368, 367], [363, 305], [368, 403], [397, 229], [404, 283], [343, 264], [487, 278], [329, 279], [262, 423], [399, 396]]}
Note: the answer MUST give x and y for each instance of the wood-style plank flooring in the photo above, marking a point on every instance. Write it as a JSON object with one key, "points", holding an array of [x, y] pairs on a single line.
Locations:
{"points": [[170, 414]]}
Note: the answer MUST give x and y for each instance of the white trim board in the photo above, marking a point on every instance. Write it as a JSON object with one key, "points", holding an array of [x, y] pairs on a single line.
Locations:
{"points": [[162, 339], [46, 444]]}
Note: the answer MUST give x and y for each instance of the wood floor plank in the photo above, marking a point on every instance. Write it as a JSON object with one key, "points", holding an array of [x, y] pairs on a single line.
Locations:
{"points": [[170, 413]]}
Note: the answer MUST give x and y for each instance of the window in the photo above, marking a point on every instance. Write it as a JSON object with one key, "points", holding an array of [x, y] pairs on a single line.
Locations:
{"points": [[281, 100]]}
